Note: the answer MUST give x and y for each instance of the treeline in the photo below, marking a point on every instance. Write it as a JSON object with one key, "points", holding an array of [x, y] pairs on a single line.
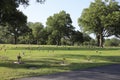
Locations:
{"points": [[101, 18], [39, 34], [58, 31]]}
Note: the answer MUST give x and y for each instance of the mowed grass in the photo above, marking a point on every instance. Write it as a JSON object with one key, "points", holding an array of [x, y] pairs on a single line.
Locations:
{"points": [[44, 59]]}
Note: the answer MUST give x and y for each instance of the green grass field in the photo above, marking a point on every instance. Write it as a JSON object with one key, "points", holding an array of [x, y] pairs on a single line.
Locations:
{"points": [[43, 60]]}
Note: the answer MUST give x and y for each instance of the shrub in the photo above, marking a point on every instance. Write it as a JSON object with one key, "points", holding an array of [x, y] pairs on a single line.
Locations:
{"points": [[112, 42]]}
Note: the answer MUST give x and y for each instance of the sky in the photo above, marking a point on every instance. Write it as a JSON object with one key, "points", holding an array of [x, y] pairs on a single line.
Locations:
{"points": [[37, 12]]}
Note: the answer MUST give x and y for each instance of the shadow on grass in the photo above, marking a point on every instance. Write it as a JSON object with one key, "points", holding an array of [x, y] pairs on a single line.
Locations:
{"points": [[70, 67], [97, 73], [53, 65], [56, 63], [29, 63], [93, 57]]}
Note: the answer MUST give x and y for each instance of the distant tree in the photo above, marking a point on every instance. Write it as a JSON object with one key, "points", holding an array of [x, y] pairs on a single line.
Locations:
{"points": [[101, 18], [112, 42], [37, 30], [77, 37], [26, 38], [92, 42], [44, 36], [59, 25], [86, 37]]}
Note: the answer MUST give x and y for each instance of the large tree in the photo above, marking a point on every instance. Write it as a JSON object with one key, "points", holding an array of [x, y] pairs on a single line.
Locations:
{"points": [[9, 15], [17, 24], [102, 18], [59, 26], [38, 32]]}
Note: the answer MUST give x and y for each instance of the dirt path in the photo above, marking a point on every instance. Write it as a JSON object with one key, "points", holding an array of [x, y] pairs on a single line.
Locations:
{"points": [[111, 72]]}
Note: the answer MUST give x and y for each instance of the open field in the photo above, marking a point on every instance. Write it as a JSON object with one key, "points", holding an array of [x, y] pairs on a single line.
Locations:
{"points": [[42, 60]]}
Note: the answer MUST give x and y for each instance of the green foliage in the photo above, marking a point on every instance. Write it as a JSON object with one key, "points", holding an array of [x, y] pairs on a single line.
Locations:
{"points": [[92, 42], [101, 18], [39, 33], [37, 30], [7, 8], [10, 16], [77, 37], [59, 26], [112, 42], [86, 37], [17, 25]]}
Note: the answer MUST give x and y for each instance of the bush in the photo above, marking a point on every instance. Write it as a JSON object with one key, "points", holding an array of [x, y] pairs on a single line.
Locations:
{"points": [[112, 42]]}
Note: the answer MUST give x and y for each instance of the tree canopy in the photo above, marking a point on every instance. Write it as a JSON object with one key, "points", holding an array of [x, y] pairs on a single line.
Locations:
{"points": [[59, 26], [13, 18], [17, 24], [38, 32], [7, 7], [101, 18]]}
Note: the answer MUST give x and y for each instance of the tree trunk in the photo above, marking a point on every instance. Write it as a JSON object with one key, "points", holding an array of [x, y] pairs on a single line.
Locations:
{"points": [[37, 41], [15, 39], [58, 42], [100, 40]]}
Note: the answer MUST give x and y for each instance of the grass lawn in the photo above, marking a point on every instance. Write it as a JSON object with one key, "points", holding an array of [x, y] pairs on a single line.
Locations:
{"points": [[43, 60]]}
